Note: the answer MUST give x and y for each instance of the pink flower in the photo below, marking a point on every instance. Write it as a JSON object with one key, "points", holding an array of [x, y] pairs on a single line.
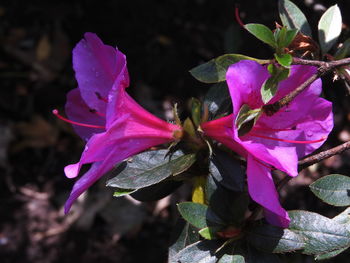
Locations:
{"points": [[101, 111], [275, 141]]}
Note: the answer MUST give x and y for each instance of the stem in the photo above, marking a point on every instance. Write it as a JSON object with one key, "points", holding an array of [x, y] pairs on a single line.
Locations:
{"points": [[323, 68], [318, 157]]}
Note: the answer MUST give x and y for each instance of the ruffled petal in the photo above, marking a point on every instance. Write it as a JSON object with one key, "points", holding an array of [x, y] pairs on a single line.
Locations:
{"points": [[262, 190], [122, 149], [244, 80], [77, 110], [96, 67]]}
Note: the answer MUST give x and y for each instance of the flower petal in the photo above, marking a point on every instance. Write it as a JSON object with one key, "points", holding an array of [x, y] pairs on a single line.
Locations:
{"points": [[262, 190], [96, 67], [244, 80], [77, 110]]}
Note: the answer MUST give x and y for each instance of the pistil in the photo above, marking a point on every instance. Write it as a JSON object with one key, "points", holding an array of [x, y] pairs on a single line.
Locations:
{"points": [[55, 112]]}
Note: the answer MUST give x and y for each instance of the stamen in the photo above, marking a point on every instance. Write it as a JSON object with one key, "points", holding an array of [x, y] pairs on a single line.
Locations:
{"points": [[100, 97], [238, 18], [55, 111], [283, 140], [97, 113], [271, 129]]}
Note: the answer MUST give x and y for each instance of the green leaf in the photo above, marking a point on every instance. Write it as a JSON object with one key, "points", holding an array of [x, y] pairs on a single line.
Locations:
{"points": [[122, 192], [209, 232], [230, 207], [343, 51], [284, 60], [215, 70], [290, 35], [183, 235], [322, 235], [263, 33], [292, 17], [194, 213], [333, 189], [218, 100], [274, 239], [246, 119], [343, 217], [329, 28], [199, 252], [227, 171], [231, 259], [196, 111], [151, 167], [156, 191], [330, 254], [270, 86]]}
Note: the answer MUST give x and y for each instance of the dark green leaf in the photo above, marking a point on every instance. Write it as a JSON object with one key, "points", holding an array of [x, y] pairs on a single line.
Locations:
{"points": [[343, 51], [196, 111], [200, 252], [292, 17], [329, 28], [231, 259], [218, 100], [333, 189], [290, 35], [194, 213], [151, 167], [156, 191], [263, 33], [183, 235], [227, 171], [257, 256], [215, 70], [330, 254], [270, 86], [274, 239], [322, 235], [209, 232], [122, 192], [284, 60], [246, 119], [230, 206]]}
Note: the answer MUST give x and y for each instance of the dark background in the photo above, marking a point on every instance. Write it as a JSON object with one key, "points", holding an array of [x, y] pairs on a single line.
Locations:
{"points": [[162, 41]]}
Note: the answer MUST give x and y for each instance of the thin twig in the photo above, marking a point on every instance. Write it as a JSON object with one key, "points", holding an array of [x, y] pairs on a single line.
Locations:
{"points": [[323, 68], [318, 157]]}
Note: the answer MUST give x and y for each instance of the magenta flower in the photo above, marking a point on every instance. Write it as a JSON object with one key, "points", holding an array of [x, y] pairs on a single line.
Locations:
{"points": [[275, 141], [101, 111]]}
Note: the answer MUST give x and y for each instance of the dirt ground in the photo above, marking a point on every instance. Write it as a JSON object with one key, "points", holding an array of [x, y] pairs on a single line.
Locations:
{"points": [[162, 41]]}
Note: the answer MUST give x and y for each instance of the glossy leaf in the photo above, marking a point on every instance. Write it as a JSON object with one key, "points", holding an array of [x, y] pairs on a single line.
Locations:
{"points": [[263, 33], [333, 189], [183, 235], [329, 28], [284, 60], [270, 86], [218, 100], [227, 171], [215, 70], [122, 192], [194, 213], [156, 191], [292, 17], [322, 235], [343, 218], [199, 252], [231, 259], [275, 240], [151, 167], [330, 254]]}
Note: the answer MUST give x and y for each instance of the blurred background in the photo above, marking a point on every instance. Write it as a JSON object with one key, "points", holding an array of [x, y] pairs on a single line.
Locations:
{"points": [[162, 40]]}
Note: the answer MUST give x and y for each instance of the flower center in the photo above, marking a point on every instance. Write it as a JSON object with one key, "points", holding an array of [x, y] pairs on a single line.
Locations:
{"points": [[55, 112]]}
